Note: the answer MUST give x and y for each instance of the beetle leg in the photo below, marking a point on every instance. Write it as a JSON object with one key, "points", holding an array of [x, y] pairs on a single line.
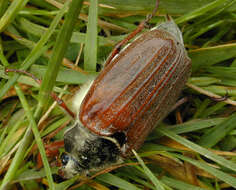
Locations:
{"points": [[221, 99], [59, 101], [52, 150], [140, 27], [180, 102]]}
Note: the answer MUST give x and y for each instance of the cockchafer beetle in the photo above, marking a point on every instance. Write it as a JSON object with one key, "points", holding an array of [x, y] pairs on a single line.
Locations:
{"points": [[133, 93]]}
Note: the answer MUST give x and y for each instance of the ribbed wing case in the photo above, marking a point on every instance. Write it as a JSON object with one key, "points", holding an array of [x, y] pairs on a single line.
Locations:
{"points": [[137, 89]]}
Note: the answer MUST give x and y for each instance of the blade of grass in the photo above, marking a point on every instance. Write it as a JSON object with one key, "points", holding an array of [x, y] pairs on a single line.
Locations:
{"points": [[227, 4], [144, 182], [208, 154], [150, 175], [32, 174], [28, 61], [28, 137], [43, 4], [191, 126], [116, 181], [222, 90], [3, 6], [54, 126], [75, 77], [11, 13], [177, 184], [207, 28], [223, 72], [36, 52], [90, 48], [66, 184], [17, 160], [217, 133], [3, 59], [77, 37], [204, 57], [213, 109], [215, 172], [204, 104], [58, 53], [171, 7], [198, 12], [224, 29], [13, 33], [12, 131], [203, 81], [211, 94], [36, 135], [67, 76]]}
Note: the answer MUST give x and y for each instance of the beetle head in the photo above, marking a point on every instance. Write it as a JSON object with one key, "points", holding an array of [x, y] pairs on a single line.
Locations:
{"points": [[86, 151]]}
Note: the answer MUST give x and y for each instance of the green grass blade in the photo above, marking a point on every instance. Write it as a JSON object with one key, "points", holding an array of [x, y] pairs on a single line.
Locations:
{"points": [[3, 59], [209, 34], [17, 160], [29, 60], [177, 184], [149, 174], [191, 126], [172, 7], [217, 133], [116, 181], [3, 6], [208, 154], [204, 57], [12, 131], [37, 136], [207, 28], [90, 48], [36, 52], [58, 53], [215, 172], [11, 13], [199, 12]]}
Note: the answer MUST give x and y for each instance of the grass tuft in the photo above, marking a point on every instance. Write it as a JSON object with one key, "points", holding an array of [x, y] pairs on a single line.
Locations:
{"points": [[194, 146]]}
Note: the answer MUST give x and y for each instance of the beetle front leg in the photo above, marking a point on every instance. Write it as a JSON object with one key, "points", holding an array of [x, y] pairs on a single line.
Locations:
{"points": [[140, 27], [52, 150]]}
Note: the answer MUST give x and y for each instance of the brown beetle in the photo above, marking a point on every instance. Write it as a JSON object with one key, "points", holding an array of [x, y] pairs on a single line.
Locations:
{"points": [[132, 94]]}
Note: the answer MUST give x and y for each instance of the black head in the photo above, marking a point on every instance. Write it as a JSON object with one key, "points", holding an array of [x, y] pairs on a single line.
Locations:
{"points": [[86, 152]]}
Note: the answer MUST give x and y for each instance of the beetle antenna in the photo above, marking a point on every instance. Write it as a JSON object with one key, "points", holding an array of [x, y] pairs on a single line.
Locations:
{"points": [[59, 101], [149, 16], [7, 70]]}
